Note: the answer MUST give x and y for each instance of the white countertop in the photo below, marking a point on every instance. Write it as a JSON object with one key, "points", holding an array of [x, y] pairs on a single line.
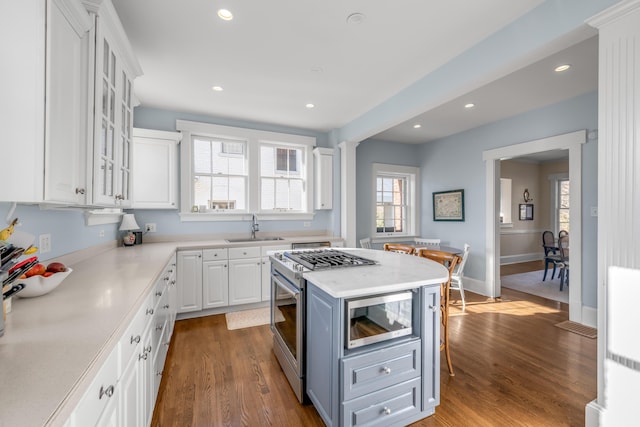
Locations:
{"points": [[395, 272], [54, 344]]}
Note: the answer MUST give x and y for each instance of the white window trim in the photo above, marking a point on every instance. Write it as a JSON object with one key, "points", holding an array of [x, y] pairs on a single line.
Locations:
{"points": [[254, 138], [413, 194]]}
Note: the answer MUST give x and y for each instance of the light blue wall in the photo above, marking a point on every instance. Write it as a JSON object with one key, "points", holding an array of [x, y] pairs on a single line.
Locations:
{"points": [[168, 222], [456, 162], [67, 228]]}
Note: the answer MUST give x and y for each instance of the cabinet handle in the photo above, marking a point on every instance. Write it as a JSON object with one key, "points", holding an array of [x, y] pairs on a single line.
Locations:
{"points": [[135, 340], [258, 264], [159, 373], [106, 391], [386, 370], [225, 266], [434, 308], [158, 293], [199, 256], [119, 197], [386, 411], [166, 279], [165, 306], [264, 262], [79, 190], [148, 349], [142, 356], [170, 271], [149, 310], [173, 282]]}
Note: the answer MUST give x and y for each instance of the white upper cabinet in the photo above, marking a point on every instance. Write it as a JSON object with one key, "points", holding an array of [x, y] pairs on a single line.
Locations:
{"points": [[155, 169], [324, 177], [115, 70], [45, 78]]}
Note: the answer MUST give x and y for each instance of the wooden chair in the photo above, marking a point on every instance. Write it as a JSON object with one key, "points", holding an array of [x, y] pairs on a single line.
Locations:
{"points": [[450, 261], [426, 242], [365, 243], [456, 276], [550, 253], [562, 233], [400, 247], [563, 245]]}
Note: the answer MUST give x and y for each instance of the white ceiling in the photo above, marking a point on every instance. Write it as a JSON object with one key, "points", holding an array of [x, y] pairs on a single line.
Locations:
{"points": [[274, 57]]}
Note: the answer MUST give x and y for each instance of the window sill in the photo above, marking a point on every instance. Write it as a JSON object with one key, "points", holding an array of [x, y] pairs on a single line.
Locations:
{"points": [[193, 217]]}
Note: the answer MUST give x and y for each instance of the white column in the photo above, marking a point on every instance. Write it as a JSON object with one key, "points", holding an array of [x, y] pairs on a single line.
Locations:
{"points": [[618, 159], [348, 192]]}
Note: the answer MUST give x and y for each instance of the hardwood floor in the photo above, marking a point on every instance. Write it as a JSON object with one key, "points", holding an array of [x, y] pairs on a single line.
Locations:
{"points": [[521, 267], [513, 368]]}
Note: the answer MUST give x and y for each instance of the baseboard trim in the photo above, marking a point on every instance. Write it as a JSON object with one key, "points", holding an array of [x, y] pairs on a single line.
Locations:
{"points": [[592, 414], [513, 259], [476, 286], [589, 316]]}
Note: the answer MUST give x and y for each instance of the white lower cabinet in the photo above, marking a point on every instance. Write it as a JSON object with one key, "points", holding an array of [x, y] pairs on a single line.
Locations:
{"points": [[124, 391], [215, 284], [189, 281], [245, 275]]}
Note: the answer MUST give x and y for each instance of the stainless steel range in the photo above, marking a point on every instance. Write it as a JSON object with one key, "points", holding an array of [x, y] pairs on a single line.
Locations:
{"points": [[288, 302]]}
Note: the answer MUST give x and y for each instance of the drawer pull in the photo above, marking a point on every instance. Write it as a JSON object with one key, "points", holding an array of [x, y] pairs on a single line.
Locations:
{"points": [[158, 294], [106, 391], [386, 370], [159, 327], [143, 356], [173, 282], [149, 310], [165, 306], [135, 339], [148, 349], [386, 411]]}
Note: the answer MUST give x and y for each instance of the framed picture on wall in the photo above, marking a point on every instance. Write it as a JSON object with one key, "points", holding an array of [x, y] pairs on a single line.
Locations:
{"points": [[526, 212], [448, 205]]}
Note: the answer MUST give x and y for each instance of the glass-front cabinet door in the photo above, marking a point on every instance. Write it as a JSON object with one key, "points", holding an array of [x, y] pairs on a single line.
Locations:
{"points": [[113, 123]]}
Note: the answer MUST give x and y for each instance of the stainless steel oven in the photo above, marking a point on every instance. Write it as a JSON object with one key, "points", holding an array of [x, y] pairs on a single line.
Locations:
{"points": [[288, 305]]}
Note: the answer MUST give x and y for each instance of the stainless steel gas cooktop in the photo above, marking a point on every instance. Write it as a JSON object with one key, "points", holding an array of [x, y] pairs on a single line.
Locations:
{"points": [[327, 258]]}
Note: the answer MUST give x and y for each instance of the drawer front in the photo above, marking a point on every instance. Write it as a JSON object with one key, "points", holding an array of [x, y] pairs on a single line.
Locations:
{"points": [[214, 254], [384, 408], [241, 253], [99, 393], [133, 334], [378, 369]]}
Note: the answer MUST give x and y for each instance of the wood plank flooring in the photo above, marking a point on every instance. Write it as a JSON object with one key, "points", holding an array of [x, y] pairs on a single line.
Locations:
{"points": [[513, 368]]}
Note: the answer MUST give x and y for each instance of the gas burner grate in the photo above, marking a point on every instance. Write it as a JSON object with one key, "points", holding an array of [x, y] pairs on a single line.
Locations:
{"points": [[325, 259]]}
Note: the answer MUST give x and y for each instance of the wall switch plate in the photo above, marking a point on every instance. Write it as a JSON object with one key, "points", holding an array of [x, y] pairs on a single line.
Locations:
{"points": [[45, 243], [151, 227]]}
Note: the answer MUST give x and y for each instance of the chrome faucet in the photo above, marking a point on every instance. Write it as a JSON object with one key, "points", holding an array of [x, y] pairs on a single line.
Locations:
{"points": [[254, 227]]}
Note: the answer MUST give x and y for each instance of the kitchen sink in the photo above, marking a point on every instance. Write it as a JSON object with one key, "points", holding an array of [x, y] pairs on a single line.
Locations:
{"points": [[256, 239]]}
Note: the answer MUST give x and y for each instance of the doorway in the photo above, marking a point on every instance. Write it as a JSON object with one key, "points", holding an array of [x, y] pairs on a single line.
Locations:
{"points": [[534, 198], [572, 142]]}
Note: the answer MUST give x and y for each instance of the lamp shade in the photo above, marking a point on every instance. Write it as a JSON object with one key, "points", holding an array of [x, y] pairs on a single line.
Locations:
{"points": [[129, 223]]}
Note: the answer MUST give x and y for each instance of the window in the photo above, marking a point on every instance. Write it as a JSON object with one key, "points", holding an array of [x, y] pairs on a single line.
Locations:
{"points": [[219, 174], [228, 173], [282, 185], [396, 195], [560, 202], [562, 212]]}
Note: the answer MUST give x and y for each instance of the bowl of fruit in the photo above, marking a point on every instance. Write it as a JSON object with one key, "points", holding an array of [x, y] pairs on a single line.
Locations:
{"points": [[42, 279]]}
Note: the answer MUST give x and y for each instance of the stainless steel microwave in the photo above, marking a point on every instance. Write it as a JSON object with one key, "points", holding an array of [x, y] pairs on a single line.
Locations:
{"points": [[378, 318]]}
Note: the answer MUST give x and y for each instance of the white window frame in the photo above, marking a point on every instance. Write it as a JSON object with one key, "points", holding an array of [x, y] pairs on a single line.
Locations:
{"points": [[412, 175], [255, 138], [554, 180]]}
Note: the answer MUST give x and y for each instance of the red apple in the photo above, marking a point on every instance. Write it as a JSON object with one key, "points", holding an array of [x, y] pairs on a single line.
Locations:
{"points": [[36, 270], [56, 267], [47, 274]]}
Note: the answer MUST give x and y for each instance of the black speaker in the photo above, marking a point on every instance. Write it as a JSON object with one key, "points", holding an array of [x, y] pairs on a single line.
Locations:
{"points": [[138, 235]]}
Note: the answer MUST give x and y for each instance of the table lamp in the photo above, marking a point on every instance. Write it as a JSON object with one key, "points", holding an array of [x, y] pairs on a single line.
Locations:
{"points": [[129, 223]]}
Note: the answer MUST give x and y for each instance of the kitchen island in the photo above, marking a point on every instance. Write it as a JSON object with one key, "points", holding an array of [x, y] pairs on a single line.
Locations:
{"points": [[392, 381]]}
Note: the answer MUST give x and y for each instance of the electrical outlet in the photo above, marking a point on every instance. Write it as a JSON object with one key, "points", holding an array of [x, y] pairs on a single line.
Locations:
{"points": [[307, 224], [101, 233], [45, 243], [151, 227]]}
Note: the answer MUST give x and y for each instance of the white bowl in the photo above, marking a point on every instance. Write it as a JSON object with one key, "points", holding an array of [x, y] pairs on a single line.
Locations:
{"points": [[40, 285]]}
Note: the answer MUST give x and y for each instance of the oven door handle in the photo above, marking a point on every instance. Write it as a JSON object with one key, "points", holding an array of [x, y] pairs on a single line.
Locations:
{"points": [[292, 289]]}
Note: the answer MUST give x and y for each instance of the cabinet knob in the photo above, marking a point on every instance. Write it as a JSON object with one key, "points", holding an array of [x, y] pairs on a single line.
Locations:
{"points": [[148, 349], [79, 190], [173, 282], [119, 197], [143, 356], [386, 411], [149, 311], [386, 370], [135, 339], [159, 328], [165, 306], [158, 293], [106, 391], [434, 308]]}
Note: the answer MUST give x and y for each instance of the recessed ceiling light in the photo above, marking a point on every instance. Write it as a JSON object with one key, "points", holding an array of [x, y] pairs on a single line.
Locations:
{"points": [[217, 88], [561, 68], [225, 15], [355, 18], [310, 105], [469, 105], [417, 126]]}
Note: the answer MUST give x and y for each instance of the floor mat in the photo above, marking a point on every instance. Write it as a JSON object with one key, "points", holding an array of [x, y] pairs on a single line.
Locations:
{"points": [[580, 329], [250, 318]]}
